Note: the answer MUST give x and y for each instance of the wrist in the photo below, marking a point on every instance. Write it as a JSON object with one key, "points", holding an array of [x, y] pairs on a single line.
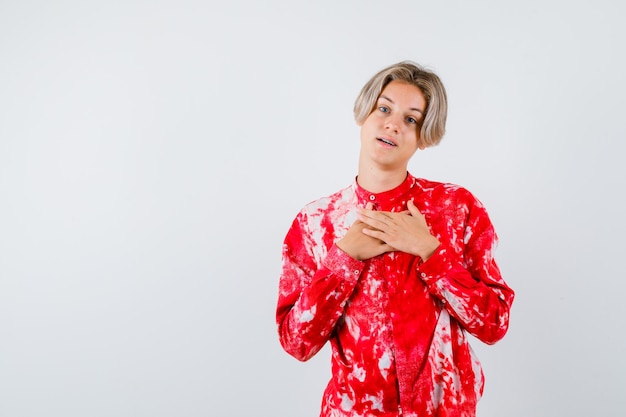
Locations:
{"points": [[430, 249], [343, 247]]}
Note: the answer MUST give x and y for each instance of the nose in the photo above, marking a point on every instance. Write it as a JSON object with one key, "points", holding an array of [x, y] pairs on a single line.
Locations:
{"points": [[391, 123]]}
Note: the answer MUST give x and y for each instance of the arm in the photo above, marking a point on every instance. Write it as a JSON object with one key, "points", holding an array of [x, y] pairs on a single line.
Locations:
{"points": [[466, 278], [460, 272], [311, 296]]}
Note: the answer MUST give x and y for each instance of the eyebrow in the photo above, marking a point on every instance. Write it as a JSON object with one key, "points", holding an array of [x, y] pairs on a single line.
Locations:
{"points": [[392, 102]]}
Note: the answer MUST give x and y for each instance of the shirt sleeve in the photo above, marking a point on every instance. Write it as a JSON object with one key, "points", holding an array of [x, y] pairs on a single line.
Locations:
{"points": [[466, 278], [312, 294]]}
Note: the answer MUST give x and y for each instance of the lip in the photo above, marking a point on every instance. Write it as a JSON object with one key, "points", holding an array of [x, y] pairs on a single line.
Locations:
{"points": [[387, 141]]}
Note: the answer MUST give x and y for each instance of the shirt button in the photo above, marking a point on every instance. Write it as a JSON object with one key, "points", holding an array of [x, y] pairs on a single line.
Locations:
{"points": [[423, 274], [372, 197], [356, 272]]}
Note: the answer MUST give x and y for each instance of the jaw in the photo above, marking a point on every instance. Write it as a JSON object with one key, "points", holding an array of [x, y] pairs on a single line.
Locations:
{"points": [[380, 155]]}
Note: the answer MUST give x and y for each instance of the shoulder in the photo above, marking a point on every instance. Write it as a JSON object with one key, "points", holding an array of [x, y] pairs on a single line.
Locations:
{"points": [[450, 199], [446, 191], [330, 202], [319, 222]]}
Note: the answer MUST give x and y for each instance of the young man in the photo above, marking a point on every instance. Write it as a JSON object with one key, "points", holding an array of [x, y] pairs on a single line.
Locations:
{"points": [[394, 270]]}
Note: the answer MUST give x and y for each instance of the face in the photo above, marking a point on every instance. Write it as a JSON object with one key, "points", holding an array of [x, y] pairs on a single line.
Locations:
{"points": [[390, 134]]}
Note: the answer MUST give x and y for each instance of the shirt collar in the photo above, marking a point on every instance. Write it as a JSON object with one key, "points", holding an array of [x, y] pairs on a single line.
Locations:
{"points": [[387, 200]]}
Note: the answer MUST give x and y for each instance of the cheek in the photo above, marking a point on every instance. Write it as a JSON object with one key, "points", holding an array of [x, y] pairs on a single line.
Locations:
{"points": [[367, 128], [412, 133], [364, 133]]}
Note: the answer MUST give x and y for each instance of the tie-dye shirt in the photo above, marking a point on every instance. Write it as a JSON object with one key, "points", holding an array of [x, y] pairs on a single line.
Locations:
{"points": [[397, 325]]}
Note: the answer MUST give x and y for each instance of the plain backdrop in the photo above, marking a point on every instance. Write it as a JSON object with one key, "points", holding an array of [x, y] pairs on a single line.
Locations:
{"points": [[154, 153]]}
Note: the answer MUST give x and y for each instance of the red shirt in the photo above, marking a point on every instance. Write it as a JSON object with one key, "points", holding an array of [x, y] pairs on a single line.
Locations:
{"points": [[397, 325]]}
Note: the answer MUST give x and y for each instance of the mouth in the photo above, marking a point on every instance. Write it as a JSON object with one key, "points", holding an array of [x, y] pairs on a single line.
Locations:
{"points": [[386, 141]]}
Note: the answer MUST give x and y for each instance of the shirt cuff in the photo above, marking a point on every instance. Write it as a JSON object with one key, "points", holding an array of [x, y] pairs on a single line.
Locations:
{"points": [[343, 265], [437, 265]]}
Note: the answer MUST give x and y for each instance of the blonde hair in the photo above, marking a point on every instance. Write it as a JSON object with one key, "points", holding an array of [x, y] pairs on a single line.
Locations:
{"points": [[433, 126]]}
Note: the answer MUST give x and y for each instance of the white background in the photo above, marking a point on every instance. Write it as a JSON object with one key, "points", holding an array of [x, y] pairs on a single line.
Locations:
{"points": [[154, 153]]}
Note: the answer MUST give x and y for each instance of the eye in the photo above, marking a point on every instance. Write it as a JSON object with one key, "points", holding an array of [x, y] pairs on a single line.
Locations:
{"points": [[384, 109], [411, 120]]}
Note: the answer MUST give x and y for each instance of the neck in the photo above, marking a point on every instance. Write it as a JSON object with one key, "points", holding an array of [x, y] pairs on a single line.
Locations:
{"points": [[378, 180]]}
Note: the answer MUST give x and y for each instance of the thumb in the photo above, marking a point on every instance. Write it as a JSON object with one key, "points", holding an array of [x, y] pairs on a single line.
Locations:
{"points": [[413, 208], [369, 206]]}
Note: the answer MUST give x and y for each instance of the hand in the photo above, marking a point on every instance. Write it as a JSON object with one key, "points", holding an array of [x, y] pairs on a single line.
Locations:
{"points": [[406, 231], [359, 245]]}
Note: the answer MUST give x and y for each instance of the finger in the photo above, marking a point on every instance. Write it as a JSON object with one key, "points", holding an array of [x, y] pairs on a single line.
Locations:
{"points": [[373, 221], [413, 209], [377, 234], [368, 211], [389, 248]]}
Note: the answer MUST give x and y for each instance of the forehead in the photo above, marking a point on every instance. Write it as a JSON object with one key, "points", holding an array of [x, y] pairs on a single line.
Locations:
{"points": [[404, 94]]}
